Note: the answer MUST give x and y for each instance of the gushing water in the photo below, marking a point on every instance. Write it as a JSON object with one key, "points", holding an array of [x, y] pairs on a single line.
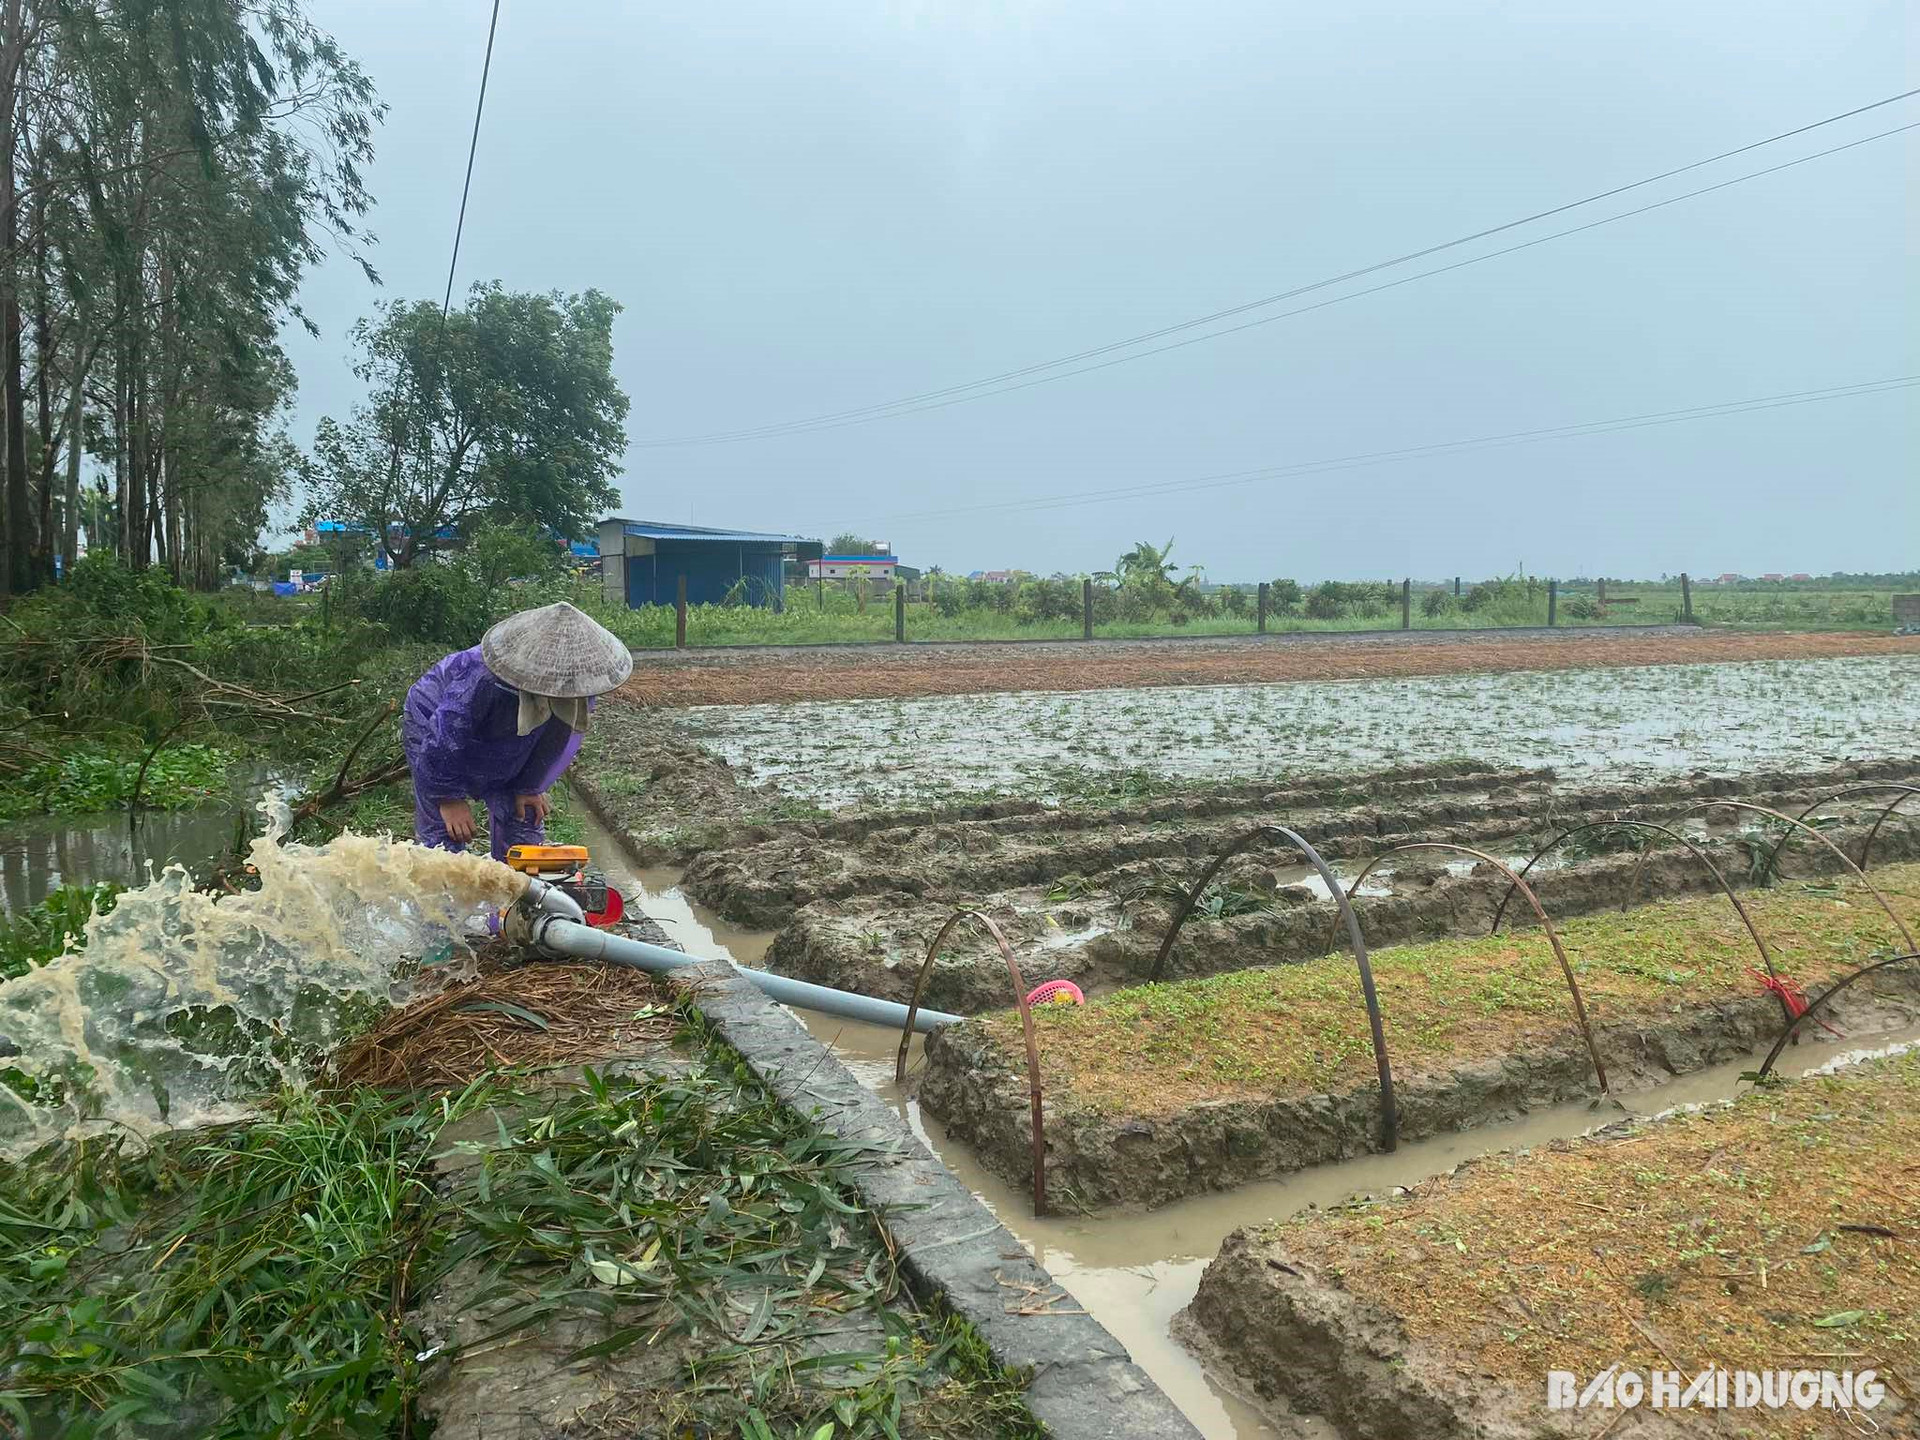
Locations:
{"points": [[179, 1005]]}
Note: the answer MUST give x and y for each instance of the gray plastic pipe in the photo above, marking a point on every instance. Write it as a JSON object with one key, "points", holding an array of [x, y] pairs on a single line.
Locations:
{"points": [[557, 934]]}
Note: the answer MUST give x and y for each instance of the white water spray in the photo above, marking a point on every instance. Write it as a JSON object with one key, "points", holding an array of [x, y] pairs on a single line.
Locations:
{"points": [[120, 1027]]}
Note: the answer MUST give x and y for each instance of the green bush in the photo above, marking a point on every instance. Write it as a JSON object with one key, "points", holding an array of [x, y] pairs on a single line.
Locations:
{"points": [[444, 604], [452, 599], [1435, 603], [1579, 607], [1326, 601], [103, 597], [91, 778]]}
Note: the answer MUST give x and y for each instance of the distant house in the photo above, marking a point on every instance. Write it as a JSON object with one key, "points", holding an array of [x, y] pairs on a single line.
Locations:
{"points": [[1729, 579], [854, 567], [644, 562], [1773, 577], [1802, 576], [999, 577]]}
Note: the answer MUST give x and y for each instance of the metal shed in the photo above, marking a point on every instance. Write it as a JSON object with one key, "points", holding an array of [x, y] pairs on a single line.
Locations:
{"points": [[642, 562]]}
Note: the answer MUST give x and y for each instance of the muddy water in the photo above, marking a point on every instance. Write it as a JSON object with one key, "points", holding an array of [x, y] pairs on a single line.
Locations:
{"points": [[1136, 1272], [44, 853], [1644, 721], [41, 853], [128, 1033]]}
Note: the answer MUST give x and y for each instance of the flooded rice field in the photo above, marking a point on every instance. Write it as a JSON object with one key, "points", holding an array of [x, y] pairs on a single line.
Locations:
{"points": [[1643, 721]]}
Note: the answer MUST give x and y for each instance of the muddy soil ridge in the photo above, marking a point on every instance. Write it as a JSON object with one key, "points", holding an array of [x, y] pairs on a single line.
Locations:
{"points": [[1100, 1160], [1438, 1310], [877, 945], [1243, 1078], [750, 676], [763, 878], [1087, 895]]}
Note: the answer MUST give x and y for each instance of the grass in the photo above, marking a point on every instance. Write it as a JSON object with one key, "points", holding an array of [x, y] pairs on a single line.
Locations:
{"points": [[1302, 1029], [277, 1278], [806, 620], [1775, 1232]]}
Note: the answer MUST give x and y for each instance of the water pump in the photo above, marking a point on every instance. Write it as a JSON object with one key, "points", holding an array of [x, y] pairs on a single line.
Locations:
{"points": [[569, 869]]}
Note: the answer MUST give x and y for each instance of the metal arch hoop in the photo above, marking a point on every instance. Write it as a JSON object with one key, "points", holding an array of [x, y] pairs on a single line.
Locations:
{"points": [[1553, 936], [1389, 1111], [1759, 942], [1874, 890], [1907, 792], [1026, 1031], [1793, 1025]]}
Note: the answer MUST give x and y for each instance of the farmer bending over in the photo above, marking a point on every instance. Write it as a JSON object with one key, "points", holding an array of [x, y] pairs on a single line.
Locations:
{"points": [[501, 722]]}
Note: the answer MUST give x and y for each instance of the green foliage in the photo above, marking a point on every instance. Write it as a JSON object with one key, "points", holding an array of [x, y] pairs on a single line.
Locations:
{"points": [[262, 1302], [1578, 607], [91, 778], [1284, 596], [1436, 603], [1146, 567], [506, 410], [34, 936], [119, 658], [266, 1280], [453, 600], [187, 158], [104, 597], [1340, 599]]}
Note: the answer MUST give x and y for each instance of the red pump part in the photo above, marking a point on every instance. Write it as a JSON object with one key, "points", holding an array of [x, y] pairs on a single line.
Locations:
{"points": [[616, 908]]}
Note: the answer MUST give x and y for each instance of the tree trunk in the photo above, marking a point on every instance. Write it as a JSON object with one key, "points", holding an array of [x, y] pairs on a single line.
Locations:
{"points": [[139, 536], [20, 538], [44, 533], [122, 478], [15, 515], [70, 509], [166, 444]]}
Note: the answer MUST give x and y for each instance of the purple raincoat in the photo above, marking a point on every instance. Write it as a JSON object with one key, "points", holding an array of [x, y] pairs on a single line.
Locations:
{"points": [[459, 730]]}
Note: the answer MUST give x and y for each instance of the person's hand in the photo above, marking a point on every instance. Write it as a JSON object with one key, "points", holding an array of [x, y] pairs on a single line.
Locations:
{"points": [[457, 816], [533, 807]]}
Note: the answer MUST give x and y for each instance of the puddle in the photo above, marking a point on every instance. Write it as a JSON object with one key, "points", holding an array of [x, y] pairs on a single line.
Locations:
{"points": [[40, 853], [1636, 721], [694, 928]]}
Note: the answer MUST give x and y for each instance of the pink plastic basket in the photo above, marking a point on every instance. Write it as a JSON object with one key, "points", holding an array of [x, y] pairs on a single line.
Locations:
{"points": [[1057, 992]]}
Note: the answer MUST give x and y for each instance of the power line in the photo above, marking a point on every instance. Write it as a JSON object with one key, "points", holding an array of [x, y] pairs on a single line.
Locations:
{"points": [[1386, 284], [996, 384], [473, 147], [1578, 430]]}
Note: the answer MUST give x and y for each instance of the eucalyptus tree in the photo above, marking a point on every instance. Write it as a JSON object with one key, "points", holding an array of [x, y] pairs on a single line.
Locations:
{"points": [[172, 168]]}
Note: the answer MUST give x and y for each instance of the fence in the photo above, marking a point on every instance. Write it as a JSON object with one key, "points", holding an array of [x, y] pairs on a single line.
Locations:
{"points": [[1259, 610]]}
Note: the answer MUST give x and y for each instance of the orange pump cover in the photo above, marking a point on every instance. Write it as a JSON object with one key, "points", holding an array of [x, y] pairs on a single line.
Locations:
{"points": [[546, 859]]}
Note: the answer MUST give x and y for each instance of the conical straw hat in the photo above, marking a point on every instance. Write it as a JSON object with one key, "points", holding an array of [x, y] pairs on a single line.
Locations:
{"points": [[558, 651]]}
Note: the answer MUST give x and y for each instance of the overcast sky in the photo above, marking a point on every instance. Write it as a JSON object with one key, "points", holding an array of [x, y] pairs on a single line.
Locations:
{"points": [[807, 209]]}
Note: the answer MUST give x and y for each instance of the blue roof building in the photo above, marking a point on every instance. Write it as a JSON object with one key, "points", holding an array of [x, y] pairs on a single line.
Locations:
{"points": [[643, 562]]}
